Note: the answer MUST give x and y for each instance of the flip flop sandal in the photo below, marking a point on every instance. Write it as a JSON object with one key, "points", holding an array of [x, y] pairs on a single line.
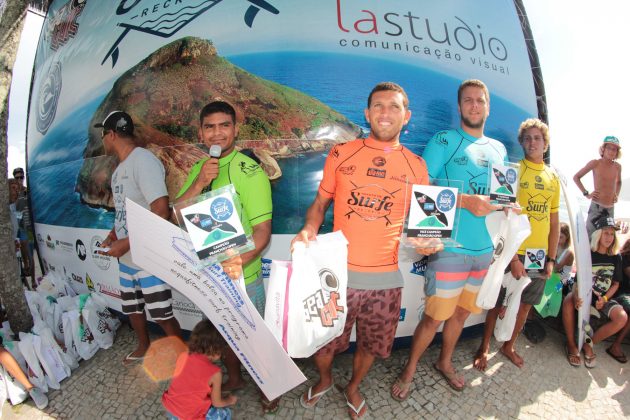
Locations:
{"points": [[405, 390], [590, 362], [450, 378], [577, 360], [308, 402], [620, 358], [129, 359], [353, 411]]}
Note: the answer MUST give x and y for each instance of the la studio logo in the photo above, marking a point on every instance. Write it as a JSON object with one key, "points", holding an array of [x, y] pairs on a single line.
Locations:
{"points": [[164, 19]]}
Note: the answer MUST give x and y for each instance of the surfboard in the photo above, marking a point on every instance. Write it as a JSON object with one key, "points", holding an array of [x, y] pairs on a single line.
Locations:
{"points": [[582, 250]]}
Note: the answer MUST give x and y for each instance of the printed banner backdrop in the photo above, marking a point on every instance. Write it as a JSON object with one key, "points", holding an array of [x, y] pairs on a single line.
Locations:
{"points": [[299, 74]]}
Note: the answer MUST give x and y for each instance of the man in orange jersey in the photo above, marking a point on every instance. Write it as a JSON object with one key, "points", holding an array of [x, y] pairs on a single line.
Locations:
{"points": [[368, 181]]}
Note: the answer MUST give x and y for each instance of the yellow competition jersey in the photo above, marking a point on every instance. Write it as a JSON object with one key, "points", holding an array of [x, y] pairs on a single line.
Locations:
{"points": [[539, 196]]}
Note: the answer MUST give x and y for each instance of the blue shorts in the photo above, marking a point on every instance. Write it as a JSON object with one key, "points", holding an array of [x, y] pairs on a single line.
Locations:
{"points": [[139, 289], [214, 413]]}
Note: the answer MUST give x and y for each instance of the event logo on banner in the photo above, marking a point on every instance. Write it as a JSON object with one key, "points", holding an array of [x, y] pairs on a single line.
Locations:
{"points": [[48, 97], [166, 19]]}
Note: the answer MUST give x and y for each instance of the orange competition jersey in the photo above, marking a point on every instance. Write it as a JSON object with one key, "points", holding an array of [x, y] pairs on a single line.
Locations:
{"points": [[370, 183]]}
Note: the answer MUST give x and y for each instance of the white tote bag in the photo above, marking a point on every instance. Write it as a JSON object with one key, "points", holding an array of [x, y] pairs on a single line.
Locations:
{"points": [[315, 310], [507, 233], [514, 288]]}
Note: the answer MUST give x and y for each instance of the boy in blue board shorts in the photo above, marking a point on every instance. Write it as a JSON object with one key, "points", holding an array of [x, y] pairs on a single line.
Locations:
{"points": [[460, 156]]}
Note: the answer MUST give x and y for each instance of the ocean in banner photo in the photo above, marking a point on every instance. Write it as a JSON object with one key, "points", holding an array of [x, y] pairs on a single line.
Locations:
{"points": [[341, 82]]}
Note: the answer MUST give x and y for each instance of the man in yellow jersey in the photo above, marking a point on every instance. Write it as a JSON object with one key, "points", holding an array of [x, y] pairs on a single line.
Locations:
{"points": [[539, 198]]}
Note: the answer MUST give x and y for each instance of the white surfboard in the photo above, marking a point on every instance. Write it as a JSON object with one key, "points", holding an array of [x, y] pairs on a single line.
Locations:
{"points": [[582, 249]]}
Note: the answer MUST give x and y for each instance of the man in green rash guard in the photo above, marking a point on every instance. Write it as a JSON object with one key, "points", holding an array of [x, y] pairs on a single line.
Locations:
{"points": [[218, 127]]}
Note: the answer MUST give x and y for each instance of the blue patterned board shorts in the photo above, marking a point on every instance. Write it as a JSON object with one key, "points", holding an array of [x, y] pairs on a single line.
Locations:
{"points": [[214, 413]]}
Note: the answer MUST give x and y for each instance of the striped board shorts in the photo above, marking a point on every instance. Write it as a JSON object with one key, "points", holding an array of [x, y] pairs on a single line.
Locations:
{"points": [[139, 289], [452, 280]]}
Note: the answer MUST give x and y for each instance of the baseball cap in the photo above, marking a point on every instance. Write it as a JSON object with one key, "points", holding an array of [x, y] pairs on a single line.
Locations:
{"points": [[118, 121], [611, 140], [603, 222]]}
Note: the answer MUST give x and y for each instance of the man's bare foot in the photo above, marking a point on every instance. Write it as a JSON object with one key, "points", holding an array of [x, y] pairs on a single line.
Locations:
{"points": [[481, 360], [513, 356], [454, 379]]}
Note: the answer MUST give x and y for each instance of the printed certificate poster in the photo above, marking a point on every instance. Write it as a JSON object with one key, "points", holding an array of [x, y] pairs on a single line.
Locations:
{"points": [[504, 183], [432, 212], [213, 223], [158, 247]]}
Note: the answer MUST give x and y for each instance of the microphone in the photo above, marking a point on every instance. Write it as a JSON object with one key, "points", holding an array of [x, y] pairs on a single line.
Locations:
{"points": [[215, 151]]}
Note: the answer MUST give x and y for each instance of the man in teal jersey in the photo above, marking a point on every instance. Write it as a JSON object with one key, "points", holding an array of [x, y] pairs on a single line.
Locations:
{"points": [[453, 277], [218, 127]]}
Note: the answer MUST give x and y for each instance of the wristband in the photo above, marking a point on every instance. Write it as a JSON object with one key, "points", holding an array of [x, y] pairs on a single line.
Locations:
{"points": [[553, 260], [585, 193], [605, 298]]}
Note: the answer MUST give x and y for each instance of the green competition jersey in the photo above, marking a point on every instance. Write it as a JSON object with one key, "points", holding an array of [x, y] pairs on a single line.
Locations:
{"points": [[254, 193]]}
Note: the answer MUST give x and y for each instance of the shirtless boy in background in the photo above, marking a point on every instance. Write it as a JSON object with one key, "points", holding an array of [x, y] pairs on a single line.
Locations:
{"points": [[606, 181]]}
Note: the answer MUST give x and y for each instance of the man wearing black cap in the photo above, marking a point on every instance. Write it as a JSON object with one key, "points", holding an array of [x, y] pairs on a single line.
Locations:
{"points": [[139, 177]]}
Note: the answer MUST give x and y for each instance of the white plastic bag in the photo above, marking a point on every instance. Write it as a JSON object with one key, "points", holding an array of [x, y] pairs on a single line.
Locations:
{"points": [[34, 371], [55, 362], [70, 349], [315, 311], [14, 348], [101, 322], [514, 288], [507, 233], [13, 390], [50, 312], [82, 336], [34, 300], [7, 332], [277, 295], [60, 284]]}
